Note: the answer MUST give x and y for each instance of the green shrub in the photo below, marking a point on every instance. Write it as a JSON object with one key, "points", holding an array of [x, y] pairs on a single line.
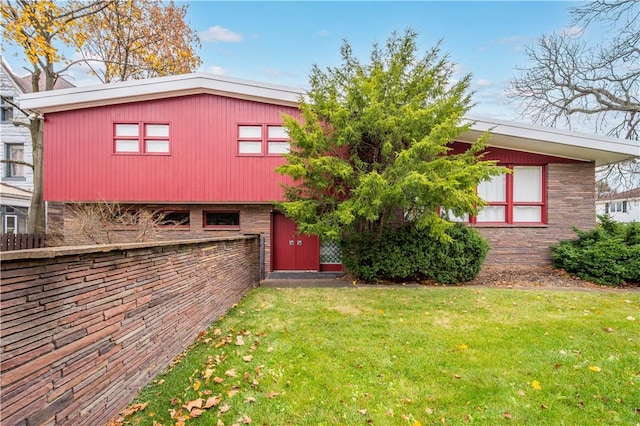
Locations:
{"points": [[407, 253], [608, 254]]}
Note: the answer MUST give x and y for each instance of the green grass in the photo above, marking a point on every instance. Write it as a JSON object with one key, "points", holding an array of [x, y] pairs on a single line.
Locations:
{"points": [[412, 356]]}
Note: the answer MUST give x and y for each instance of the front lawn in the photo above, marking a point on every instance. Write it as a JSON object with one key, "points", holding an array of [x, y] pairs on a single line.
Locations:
{"points": [[409, 356]]}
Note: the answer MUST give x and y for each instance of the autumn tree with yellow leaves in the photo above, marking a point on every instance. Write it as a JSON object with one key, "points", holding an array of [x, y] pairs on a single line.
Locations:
{"points": [[163, 45], [119, 39]]}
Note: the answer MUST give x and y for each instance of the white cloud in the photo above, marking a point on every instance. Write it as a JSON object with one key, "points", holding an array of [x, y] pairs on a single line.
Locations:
{"points": [[218, 34], [323, 33], [511, 39], [484, 83], [214, 69]]}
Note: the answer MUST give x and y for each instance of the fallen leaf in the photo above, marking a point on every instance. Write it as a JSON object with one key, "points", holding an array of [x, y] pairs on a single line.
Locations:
{"points": [[196, 385], [196, 403], [247, 358], [269, 349], [467, 418], [213, 401], [536, 385], [224, 408], [272, 394], [522, 393], [457, 376], [246, 420], [231, 373], [239, 341], [428, 410], [363, 412], [406, 401], [220, 423], [507, 415], [556, 365], [208, 372], [196, 412], [249, 400], [160, 382], [175, 401], [544, 407], [630, 318], [232, 392], [134, 409], [595, 368], [608, 329]]}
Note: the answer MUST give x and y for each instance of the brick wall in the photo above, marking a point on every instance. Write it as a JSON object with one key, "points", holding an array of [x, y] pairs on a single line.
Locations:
{"points": [[571, 202], [254, 219], [85, 328]]}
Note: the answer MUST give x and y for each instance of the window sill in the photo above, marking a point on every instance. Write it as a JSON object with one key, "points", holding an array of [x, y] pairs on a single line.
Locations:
{"points": [[14, 179], [220, 228], [509, 225]]}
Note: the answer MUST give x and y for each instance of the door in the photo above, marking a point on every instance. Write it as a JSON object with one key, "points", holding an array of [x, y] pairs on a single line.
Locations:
{"points": [[292, 251]]}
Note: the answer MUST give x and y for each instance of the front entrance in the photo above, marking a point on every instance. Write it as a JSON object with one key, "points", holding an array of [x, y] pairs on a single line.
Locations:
{"points": [[292, 251]]}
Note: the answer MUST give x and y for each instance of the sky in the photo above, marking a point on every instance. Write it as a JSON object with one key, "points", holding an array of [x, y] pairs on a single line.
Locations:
{"points": [[279, 41]]}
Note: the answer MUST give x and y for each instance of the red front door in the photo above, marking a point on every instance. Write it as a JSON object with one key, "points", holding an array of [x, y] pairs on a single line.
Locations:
{"points": [[292, 251]]}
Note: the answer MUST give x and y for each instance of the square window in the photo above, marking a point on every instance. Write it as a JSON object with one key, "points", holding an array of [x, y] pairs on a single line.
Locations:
{"points": [[221, 220], [277, 132], [527, 184], [129, 140], [492, 214], [250, 132], [493, 190], [262, 140]]}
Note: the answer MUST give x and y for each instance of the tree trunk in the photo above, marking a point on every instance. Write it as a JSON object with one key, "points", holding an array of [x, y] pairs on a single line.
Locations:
{"points": [[37, 221]]}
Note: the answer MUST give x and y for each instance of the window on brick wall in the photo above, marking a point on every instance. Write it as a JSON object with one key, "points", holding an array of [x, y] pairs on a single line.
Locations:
{"points": [[173, 219], [141, 138], [262, 139], [221, 219], [515, 198]]}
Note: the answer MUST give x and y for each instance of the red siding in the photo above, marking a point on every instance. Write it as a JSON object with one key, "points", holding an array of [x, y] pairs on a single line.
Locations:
{"points": [[203, 166], [508, 156]]}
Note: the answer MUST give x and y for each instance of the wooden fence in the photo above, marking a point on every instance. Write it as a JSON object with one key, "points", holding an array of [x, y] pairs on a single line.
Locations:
{"points": [[22, 241]]}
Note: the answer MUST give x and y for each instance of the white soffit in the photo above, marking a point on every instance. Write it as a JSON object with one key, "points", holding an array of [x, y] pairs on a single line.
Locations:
{"points": [[550, 141], [158, 88]]}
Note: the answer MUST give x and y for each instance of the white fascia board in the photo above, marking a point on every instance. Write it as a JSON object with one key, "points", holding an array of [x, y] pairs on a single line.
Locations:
{"points": [[158, 88], [551, 141]]}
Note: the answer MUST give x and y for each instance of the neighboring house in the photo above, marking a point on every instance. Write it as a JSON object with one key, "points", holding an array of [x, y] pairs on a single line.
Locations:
{"points": [[621, 207], [204, 148], [16, 145], [14, 203]]}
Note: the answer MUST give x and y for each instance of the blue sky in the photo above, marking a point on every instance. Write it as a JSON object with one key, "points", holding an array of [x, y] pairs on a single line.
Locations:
{"points": [[278, 42]]}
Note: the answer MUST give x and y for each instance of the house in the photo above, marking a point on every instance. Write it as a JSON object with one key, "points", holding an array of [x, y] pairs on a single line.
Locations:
{"points": [[203, 149], [621, 207], [15, 145]]}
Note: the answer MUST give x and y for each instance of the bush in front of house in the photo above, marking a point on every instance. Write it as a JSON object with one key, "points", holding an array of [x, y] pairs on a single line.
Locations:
{"points": [[407, 253], [608, 254]]}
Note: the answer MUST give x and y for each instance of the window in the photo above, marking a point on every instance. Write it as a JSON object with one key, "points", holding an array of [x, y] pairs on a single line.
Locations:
{"points": [[15, 152], [260, 139], [221, 220], [141, 138], [6, 109], [518, 197], [616, 207], [173, 219], [14, 220]]}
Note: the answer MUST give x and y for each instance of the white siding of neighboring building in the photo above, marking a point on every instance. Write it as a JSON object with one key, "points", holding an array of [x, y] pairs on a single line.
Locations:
{"points": [[11, 134], [632, 213]]}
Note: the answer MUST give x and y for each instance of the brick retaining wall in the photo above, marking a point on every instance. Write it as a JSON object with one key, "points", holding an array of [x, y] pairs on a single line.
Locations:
{"points": [[85, 328]]}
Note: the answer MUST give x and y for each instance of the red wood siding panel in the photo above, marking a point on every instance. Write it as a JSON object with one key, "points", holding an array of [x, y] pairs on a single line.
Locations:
{"points": [[508, 156], [79, 164]]}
